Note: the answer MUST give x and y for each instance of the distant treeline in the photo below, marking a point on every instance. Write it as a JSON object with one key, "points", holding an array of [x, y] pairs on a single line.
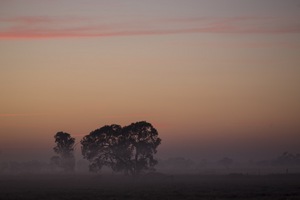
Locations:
{"points": [[128, 149]]}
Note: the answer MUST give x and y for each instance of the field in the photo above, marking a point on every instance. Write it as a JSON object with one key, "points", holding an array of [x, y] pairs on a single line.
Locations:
{"points": [[156, 186]]}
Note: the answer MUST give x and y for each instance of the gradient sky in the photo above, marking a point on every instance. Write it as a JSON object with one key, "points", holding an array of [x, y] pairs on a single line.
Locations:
{"points": [[215, 77]]}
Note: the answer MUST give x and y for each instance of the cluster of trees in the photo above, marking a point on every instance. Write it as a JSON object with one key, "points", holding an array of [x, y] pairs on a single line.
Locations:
{"points": [[128, 149], [284, 159], [287, 158]]}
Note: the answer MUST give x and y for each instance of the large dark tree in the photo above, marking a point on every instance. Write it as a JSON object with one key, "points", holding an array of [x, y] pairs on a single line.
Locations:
{"points": [[129, 149], [99, 147], [143, 142], [65, 149]]}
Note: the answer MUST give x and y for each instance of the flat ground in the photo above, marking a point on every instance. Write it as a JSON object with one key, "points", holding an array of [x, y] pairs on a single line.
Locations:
{"points": [[154, 187]]}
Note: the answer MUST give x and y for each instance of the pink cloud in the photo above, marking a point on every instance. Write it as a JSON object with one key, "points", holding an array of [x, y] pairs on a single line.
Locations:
{"points": [[45, 27]]}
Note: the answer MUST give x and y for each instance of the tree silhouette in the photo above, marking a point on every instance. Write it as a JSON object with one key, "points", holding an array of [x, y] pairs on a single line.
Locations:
{"points": [[99, 147], [143, 141], [65, 148], [129, 149]]}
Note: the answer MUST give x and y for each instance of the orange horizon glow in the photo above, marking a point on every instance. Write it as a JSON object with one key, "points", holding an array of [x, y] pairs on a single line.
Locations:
{"points": [[212, 77]]}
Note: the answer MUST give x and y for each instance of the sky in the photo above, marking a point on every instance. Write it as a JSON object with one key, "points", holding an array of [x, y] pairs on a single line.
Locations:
{"points": [[215, 77]]}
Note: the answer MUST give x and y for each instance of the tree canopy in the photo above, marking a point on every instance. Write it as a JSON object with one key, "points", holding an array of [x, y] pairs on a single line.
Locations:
{"points": [[129, 149], [98, 146], [65, 148]]}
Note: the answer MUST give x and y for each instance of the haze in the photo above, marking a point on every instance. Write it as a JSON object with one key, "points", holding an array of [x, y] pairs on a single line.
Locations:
{"points": [[216, 78]]}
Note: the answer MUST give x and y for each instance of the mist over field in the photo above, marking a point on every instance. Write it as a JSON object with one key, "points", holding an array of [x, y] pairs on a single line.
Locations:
{"points": [[139, 99]]}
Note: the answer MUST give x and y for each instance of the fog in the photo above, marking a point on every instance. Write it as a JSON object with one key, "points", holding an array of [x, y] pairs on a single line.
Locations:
{"points": [[283, 163], [193, 154], [174, 177]]}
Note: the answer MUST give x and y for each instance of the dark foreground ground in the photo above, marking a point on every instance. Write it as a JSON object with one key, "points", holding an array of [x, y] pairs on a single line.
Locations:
{"points": [[149, 187]]}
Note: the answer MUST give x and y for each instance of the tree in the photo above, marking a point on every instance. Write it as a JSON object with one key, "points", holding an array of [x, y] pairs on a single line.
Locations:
{"points": [[100, 145], [65, 149], [129, 149], [143, 142]]}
